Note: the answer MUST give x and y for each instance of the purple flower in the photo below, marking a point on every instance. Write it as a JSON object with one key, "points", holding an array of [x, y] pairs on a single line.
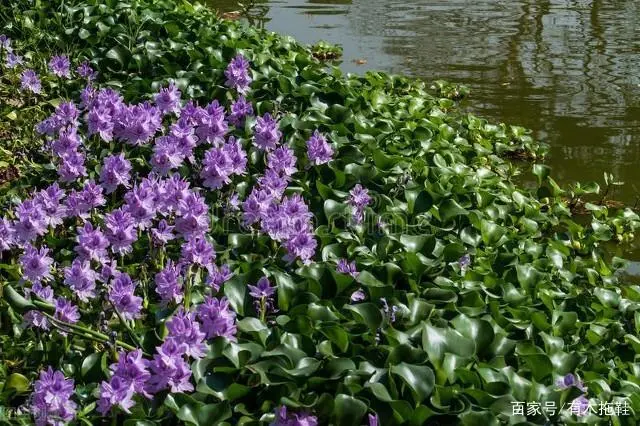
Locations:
{"points": [[51, 398], [13, 60], [319, 150], [168, 99], [130, 376], [137, 124], [115, 392], [120, 230], [167, 155], [198, 251], [216, 169], [358, 295], [283, 418], [263, 293], [84, 70], [266, 134], [142, 202], [36, 265], [60, 66], [464, 262], [302, 245], [580, 406], [183, 328], [29, 81], [240, 110], [359, 199], [210, 122], [183, 135], [115, 171], [570, 380], [237, 155], [67, 114], [66, 311], [109, 269], [49, 201], [255, 206], [80, 203], [374, 420], [218, 319], [121, 294], [100, 119], [68, 141], [34, 317], [92, 244], [7, 237], [390, 313], [5, 43], [233, 203], [218, 276], [169, 283], [345, 267], [169, 368], [262, 289], [193, 216], [273, 183], [72, 166], [31, 221], [81, 279], [162, 234], [237, 74], [282, 160]]}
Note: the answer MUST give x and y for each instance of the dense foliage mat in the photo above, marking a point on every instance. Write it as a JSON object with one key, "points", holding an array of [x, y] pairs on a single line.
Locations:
{"points": [[206, 224]]}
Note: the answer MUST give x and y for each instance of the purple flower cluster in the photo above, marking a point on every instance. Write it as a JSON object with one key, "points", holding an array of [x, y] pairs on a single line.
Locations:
{"points": [[262, 294], [237, 74], [92, 243], [115, 171], [168, 99], [129, 377], [240, 110], [285, 418], [319, 150], [60, 66], [121, 295], [35, 318], [218, 319], [159, 208], [344, 267], [218, 276], [66, 311], [220, 164], [286, 220], [359, 199], [580, 405], [29, 81], [81, 279], [85, 71], [169, 283], [36, 264], [51, 399], [266, 135]]}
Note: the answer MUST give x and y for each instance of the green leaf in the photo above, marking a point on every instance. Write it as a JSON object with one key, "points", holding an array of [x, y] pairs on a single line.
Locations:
{"points": [[420, 379], [366, 313], [17, 382], [348, 410]]}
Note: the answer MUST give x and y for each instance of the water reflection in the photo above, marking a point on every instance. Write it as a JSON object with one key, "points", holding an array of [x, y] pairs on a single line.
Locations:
{"points": [[566, 69]]}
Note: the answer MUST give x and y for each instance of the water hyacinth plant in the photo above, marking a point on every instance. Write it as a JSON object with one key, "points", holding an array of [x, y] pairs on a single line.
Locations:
{"points": [[214, 228]]}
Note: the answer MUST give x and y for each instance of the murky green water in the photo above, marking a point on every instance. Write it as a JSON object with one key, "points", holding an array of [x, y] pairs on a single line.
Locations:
{"points": [[569, 70]]}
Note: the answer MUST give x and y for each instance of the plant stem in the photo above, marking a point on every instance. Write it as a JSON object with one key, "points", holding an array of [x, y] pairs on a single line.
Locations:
{"points": [[126, 325], [84, 332]]}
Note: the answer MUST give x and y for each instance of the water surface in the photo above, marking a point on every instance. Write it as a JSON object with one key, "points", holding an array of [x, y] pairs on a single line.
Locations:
{"points": [[568, 70]]}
